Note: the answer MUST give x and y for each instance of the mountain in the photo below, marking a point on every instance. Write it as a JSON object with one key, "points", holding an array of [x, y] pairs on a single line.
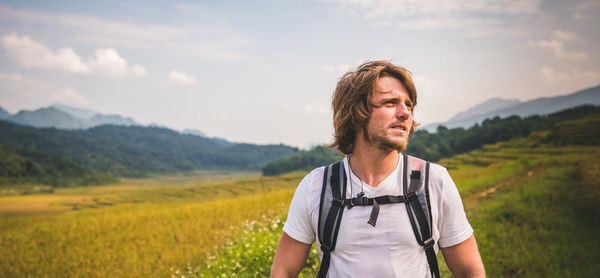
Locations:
{"points": [[79, 113], [4, 114], [47, 117], [91, 118], [202, 134], [65, 117], [194, 132], [131, 151], [113, 119], [490, 105], [539, 106]]}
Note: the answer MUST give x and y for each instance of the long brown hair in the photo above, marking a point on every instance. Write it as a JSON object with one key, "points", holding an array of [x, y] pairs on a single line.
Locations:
{"points": [[351, 101]]}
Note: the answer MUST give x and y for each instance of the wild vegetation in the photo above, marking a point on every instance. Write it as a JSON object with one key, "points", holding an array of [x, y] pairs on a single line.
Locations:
{"points": [[449, 142], [108, 231], [301, 161], [533, 205], [98, 155]]}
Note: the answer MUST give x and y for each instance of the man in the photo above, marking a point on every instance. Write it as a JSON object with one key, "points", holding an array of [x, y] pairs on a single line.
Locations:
{"points": [[373, 119]]}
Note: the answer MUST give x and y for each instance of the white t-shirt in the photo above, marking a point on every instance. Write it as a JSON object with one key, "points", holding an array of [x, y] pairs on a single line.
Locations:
{"points": [[389, 249]]}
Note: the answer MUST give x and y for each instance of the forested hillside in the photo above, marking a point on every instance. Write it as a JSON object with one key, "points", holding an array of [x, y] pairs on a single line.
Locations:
{"points": [[449, 142], [302, 161], [32, 153]]}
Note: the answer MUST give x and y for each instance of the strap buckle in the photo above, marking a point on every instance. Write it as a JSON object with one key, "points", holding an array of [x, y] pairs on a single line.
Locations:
{"points": [[411, 196], [359, 201], [325, 248], [337, 202], [428, 243]]}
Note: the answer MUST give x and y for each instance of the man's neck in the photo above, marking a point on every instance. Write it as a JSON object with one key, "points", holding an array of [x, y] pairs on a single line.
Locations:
{"points": [[373, 165]]}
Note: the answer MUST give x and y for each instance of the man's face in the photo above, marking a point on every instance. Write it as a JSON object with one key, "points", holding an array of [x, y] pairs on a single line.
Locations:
{"points": [[391, 116]]}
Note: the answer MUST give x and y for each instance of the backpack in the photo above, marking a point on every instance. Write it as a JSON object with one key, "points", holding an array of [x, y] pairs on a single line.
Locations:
{"points": [[416, 198]]}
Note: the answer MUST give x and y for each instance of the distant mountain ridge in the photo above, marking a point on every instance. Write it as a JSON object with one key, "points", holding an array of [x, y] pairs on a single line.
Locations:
{"points": [[492, 104], [80, 113], [539, 106], [65, 117], [4, 114], [47, 117], [131, 151]]}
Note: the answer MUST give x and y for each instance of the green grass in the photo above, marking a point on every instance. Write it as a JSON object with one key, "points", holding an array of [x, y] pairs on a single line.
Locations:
{"points": [[177, 189], [534, 207], [539, 229], [533, 216], [138, 239], [249, 254]]}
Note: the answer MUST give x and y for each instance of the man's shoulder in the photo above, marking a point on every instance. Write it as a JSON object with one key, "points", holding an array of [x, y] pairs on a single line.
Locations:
{"points": [[315, 176], [438, 174], [433, 167]]}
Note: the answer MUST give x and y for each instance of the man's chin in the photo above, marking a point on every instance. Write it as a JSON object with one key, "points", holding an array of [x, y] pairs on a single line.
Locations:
{"points": [[389, 146]]}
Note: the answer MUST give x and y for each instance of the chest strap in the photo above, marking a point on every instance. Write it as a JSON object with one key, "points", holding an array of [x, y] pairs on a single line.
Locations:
{"points": [[361, 200]]}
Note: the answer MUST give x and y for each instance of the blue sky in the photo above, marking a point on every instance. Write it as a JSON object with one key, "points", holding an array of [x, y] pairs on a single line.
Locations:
{"points": [[264, 71]]}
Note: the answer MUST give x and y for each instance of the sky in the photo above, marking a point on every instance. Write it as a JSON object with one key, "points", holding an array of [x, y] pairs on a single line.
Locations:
{"points": [[264, 71]]}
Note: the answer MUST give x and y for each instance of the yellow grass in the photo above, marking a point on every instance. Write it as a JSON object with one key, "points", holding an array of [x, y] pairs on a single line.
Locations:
{"points": [[132, 240]]}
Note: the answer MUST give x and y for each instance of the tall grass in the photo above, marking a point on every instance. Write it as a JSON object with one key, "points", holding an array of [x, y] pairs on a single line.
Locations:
{"points": [[249, 254], [129, 240], [534, 209]]}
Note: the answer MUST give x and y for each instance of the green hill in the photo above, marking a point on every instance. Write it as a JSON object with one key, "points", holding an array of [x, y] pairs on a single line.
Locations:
{"points": [[47, 117], [533, 206], [129, 151], [448, 142], [302, 161]]}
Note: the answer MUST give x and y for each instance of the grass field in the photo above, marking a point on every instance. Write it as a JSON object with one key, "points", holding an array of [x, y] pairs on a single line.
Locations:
{"points": [[535, 210], [195, 186], [138, 231]]}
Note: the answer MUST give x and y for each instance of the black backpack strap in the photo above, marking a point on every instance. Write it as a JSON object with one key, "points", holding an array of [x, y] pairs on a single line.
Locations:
{"points": [[416, 206], [334, 181]]}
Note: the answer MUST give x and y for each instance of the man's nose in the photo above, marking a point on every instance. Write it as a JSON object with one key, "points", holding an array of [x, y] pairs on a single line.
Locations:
{"points": [[403, 111]]}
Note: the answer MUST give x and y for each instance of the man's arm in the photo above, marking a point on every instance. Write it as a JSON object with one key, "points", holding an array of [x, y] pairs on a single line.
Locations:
{"points": [[464, 260], [290, 257]]}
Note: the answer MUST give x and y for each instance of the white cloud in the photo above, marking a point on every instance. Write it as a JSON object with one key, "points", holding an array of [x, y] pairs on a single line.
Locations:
{"points": [[581, 16], [475, 18], [182, 77], [576, 77], [392, 8], [315, 108], [31, 54], [566, 36], [556, 44], [10, 77], [19, 92], [203, 41], [423, 83], [70, 97], [586, 6], [337, 69], [309, 108], [106, 61]]}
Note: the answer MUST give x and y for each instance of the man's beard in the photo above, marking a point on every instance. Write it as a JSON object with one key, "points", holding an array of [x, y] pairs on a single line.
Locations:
{"points": [[384, 144]]}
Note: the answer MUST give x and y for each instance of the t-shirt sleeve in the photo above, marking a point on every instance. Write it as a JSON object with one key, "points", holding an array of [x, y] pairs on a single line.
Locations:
{"points": [[454, 226], [298, 224]]}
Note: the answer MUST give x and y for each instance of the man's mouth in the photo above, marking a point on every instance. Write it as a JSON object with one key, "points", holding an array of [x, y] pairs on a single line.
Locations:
{"points": [[399, 127]]}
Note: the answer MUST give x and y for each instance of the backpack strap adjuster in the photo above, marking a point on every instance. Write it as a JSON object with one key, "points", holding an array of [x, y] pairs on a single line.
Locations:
{"points": [[337, 202], [411, 196], [325, 248], [428, 243]]}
